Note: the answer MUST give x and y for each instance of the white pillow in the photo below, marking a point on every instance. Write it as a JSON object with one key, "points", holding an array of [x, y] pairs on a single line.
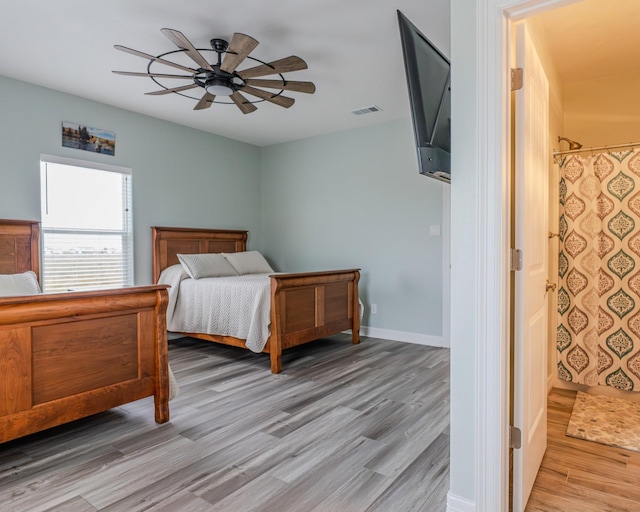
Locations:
{"points": [[206, 265], [19, 284], [248, 262]]}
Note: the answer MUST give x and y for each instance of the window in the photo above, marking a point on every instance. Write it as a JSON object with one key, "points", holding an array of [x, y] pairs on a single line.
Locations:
{"points": [[86, 225]]}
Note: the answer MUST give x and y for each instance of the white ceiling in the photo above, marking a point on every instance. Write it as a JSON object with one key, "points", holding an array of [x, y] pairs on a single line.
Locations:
{"points": [[352, 48], [592, 39]]}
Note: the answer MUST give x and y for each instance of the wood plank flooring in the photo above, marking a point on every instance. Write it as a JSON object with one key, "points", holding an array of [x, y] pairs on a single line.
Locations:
{"points": [[344, 428], [582, 476]]}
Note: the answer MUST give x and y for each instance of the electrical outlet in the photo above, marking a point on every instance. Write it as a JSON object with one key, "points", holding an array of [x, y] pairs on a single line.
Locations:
{"points": [[374, 309]]}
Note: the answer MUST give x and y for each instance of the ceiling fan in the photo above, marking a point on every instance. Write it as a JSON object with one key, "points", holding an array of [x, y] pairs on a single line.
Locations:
{"points": [[221, 78]]}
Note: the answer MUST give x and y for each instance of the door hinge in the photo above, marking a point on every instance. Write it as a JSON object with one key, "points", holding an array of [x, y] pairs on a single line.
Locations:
{"points": [[517, 75], [515, 437], [516, 260]]}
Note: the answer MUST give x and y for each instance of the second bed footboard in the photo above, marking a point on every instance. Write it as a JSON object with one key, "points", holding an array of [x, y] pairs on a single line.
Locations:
{"points": [[307, 306]]}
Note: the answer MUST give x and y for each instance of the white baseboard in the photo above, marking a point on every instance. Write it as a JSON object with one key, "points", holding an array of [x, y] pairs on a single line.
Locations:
{"points": [[407, 337], [458, 504]]}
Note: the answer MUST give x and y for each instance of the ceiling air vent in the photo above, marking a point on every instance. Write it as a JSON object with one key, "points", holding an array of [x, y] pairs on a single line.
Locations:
{"points": [[366, 110]]}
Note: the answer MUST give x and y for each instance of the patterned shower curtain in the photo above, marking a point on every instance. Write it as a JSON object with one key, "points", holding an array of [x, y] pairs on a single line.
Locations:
{"points": [[598, 336]]}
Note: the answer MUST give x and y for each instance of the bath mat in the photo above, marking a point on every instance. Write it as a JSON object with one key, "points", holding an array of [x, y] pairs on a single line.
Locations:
{"points": [[606, 420]]}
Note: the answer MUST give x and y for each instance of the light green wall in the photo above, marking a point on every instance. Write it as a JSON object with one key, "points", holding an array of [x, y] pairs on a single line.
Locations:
{"points": [[355, 199], [181, 176], [348, 199], [465, 211]]}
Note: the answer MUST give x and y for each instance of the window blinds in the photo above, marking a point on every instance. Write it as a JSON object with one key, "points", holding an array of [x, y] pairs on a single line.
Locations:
{"points": [[86, 226]]}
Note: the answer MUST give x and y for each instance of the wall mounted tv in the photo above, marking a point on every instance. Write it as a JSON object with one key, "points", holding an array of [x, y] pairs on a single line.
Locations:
{"points": [[429, 81]]}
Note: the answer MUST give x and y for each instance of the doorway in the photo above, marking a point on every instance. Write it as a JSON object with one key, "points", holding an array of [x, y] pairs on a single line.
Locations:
{"points": [[588, 97], [480, 288]]}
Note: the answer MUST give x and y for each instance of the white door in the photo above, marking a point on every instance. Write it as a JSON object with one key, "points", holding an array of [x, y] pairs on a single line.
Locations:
{"points": [[531, 237]]}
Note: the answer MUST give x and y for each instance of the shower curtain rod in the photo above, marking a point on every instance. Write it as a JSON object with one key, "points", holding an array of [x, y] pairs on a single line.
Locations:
{"points": [[599, 148]]}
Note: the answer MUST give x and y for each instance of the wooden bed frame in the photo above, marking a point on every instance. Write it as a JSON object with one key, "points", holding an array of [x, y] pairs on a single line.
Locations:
{"points": [[65, 356], [304, 306]]}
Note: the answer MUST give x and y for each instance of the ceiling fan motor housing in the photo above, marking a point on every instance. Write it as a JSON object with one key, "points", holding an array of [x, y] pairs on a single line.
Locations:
{"points": [[219, 45]]}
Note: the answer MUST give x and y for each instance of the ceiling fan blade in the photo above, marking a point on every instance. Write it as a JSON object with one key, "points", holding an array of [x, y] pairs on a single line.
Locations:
{"points": [[175, 89], [243, 103], [241, 45], [285, 65], [179, 39], [159, 75], [287, 85], [205, 102], [157, 59], [283, 101]]}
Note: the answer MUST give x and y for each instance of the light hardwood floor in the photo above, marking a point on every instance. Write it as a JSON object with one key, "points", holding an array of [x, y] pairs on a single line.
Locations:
{"points": [[582, 476], [344, 428]]}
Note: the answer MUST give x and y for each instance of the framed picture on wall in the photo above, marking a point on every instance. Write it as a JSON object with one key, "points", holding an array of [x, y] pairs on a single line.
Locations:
{"points": [[86, 138]]}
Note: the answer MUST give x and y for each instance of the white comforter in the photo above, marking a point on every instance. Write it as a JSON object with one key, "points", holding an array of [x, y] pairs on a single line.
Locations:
{"points": [[229, 306]]}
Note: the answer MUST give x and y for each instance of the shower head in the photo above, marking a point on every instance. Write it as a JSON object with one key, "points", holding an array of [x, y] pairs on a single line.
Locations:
{"points": [[572, 143]]}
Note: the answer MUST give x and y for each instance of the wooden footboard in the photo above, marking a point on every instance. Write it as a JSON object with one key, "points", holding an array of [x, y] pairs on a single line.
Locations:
{"points": [[308, 306], [67, 356]]}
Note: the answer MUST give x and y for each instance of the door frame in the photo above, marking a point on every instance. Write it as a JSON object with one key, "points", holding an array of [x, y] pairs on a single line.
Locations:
{"points": [[494, 18]]}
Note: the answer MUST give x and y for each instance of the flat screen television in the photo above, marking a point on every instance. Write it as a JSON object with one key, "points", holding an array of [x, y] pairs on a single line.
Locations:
{"points": [[429, 82]]}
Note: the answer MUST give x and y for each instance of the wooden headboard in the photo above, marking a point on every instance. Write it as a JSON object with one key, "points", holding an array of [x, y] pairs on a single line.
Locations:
{"points": [[169, 242], [19, 246]]}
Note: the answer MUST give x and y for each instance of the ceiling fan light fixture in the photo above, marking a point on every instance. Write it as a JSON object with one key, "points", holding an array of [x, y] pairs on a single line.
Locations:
{"points": [[219, 87]]}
